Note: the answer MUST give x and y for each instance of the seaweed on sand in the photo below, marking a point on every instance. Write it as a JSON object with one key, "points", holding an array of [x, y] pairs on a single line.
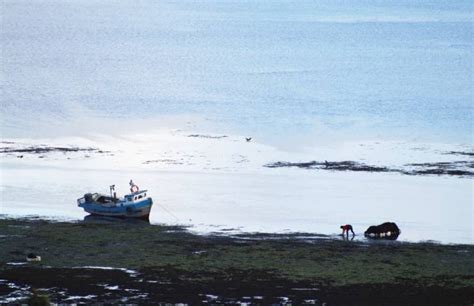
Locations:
{"points": [[173, 265]]}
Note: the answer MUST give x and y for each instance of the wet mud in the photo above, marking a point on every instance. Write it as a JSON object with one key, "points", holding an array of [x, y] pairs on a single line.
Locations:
{"points": [[124, 262], [169, 285]]}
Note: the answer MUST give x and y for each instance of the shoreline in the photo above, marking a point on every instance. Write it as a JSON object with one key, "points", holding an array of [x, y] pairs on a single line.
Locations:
{"points": [[216, 181], [226, 232], [157, 263]]}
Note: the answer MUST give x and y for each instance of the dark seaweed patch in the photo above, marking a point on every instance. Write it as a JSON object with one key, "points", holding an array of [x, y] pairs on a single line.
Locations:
{"points": [[163, 161], [207, 136], [454, 168], [48, 149], [334, 165], [460, 153]]}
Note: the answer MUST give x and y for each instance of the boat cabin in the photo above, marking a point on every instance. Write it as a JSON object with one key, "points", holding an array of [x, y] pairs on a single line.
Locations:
{"points": [[135, 196]]}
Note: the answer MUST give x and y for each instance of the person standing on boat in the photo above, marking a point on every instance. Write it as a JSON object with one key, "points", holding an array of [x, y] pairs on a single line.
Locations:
{"points": [[133, 187], [346, 228]]}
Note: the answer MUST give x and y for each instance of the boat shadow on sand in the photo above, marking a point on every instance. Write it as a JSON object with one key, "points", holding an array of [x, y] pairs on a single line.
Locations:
{"points": [[95, 219]]}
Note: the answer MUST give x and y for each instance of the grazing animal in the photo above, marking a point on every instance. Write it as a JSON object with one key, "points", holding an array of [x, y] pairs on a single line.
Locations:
{"points": [[387, 230], [248, 139]]}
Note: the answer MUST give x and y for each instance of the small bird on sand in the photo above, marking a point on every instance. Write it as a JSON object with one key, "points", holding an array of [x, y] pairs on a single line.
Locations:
{"points": [[33, 257], [248, 139]]}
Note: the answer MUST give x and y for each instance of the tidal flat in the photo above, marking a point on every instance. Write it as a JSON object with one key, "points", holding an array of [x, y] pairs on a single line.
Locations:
{"points": [[134, 262]]}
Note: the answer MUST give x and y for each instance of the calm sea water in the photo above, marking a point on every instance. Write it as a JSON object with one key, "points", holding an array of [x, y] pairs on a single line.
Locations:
{"points": [[274, 69]]}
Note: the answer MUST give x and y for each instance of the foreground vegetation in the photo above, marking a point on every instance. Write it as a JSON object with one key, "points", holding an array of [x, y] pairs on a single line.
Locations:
{"points": [[177, 266]]}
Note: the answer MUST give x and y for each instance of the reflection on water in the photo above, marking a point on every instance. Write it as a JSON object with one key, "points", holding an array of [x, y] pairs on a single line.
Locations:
{"points": [[385, 237], [107, 219], [347, 237]]}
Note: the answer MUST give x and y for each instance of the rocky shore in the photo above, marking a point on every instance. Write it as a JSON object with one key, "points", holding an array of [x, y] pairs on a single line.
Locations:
{"points": [[101, 261]]}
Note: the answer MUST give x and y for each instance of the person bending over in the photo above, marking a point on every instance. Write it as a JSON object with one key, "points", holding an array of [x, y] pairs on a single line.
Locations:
{"points": [[346, 228]]}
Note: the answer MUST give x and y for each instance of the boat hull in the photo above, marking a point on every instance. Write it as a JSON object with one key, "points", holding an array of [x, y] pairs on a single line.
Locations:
{"points": [[135, 210]]}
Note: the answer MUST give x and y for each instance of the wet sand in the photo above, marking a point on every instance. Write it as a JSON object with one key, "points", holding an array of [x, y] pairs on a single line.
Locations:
{"points": [[152, 263], [217, 181]]}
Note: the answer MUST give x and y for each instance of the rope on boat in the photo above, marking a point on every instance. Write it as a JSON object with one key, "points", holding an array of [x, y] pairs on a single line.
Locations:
{"points": [[168, 211]]}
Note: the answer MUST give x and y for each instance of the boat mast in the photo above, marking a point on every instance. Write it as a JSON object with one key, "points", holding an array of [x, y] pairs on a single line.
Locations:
{"points": [[113, 194]]}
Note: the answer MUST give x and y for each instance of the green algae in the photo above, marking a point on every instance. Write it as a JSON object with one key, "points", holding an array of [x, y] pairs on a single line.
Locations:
{"points": [[145, 247]]}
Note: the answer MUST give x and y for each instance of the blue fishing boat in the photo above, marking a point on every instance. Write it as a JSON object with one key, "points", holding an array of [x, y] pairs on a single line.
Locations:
{"points": [[137, 204]]}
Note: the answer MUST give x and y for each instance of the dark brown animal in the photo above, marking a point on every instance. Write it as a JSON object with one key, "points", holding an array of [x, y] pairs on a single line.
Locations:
{"points": [[387, 230]]}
